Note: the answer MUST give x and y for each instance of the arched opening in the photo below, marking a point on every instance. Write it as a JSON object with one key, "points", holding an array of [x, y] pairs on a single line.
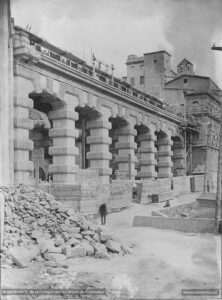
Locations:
{"points": [[40, 136], [42, 174], [85, 114]]}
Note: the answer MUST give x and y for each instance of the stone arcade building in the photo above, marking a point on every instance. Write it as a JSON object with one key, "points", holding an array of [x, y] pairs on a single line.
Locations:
{"points": [[78, 124]]}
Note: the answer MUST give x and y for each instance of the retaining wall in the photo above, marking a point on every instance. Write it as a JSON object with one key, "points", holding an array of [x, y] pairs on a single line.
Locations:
{"points": [[178, 224], [181, 185], [170, 211], [120, 194], [87, 198]]}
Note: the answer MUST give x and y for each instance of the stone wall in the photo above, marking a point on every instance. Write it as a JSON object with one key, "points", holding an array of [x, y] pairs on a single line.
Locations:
{"points": [[120, 194], [87, 198], [178, 224], [157, 186], [69, 195], [176, 210], [181, 185], [199, 182]]}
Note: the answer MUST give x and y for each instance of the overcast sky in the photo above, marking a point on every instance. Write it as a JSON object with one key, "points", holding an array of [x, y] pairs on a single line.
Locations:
{"points": [[113, 29]]}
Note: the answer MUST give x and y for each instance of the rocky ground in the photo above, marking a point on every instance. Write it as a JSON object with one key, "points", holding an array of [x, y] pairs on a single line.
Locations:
{"points": [[163, 262], [42, 233]]}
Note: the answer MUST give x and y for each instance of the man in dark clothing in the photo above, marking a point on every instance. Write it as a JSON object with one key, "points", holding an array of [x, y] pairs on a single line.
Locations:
{"points": [[208, 186], [167, 204], [103, 213]]}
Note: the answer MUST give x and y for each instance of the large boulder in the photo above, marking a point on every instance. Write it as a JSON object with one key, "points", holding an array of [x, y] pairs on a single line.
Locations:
{"points": [[21, 256], [126, 249], [100, 251], [89, 248], [56, 257], [56, 271], [72, 252], [73, 242], [45, 244], [113, 246], [105, 236], [78, 251]]}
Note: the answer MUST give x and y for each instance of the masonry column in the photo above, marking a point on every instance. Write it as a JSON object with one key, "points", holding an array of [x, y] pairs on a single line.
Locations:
{"points": [[164, 157], [6, 95], [147, 149], [126, 145], [63, 150], [178, 158], [99, 141], [23, 167]]}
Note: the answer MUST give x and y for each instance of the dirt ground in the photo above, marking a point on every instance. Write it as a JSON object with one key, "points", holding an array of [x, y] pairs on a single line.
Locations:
{"points": [[164, 262]]}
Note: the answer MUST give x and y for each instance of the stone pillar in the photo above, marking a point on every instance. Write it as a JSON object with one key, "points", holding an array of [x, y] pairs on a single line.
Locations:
{"points": [[6, 96], [178, 158], [126, 146], [63, 150], [147, 149], [164, 154], [99, 141], [22, 145]]}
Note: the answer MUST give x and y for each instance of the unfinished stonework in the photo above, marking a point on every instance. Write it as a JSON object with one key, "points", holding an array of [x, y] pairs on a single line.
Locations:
{"points": [[126, 151], [164, 157], [99, 141], [147, 159], [63, 150]]}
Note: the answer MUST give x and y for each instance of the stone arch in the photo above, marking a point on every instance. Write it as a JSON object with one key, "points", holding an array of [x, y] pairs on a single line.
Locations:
{"points": [[86, 113]]}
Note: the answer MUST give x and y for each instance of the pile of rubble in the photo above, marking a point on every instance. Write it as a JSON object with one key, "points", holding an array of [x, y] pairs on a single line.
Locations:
{"points": [[39, 228]]}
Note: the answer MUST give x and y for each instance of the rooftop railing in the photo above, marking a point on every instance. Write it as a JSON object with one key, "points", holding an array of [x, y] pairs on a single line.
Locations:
{"points": [[101, 76]]}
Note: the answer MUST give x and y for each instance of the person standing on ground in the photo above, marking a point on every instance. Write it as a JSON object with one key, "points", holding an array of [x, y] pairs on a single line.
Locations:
{"points": [[208, 186], [103, 212], [134, 191]]}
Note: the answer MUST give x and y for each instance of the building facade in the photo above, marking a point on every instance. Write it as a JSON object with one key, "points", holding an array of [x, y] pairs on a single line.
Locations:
{"points": [[190, 95], [69, 123]]}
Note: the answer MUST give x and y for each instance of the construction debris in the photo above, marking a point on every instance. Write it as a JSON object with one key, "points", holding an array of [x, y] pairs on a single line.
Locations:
{"points": [[41, 229]]}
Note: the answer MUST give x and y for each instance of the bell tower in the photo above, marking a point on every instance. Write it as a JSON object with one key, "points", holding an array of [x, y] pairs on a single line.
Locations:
{"points": [[6, 94]]}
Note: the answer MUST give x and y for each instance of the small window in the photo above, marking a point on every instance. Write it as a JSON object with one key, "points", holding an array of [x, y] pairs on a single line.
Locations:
{"points": [[132, 81], [155, 61], [185, 80], [188, 68], [141, 79], [141, 67]]}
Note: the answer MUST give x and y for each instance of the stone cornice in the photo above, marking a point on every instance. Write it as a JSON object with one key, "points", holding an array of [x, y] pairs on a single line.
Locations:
{"points": [[74, 76]]}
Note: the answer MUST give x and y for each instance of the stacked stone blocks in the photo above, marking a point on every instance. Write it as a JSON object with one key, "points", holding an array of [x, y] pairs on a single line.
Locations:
{"points": [[126, 146], [63, 150], [22, 145], [99, 141], [164, 157], [147, 151]]}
